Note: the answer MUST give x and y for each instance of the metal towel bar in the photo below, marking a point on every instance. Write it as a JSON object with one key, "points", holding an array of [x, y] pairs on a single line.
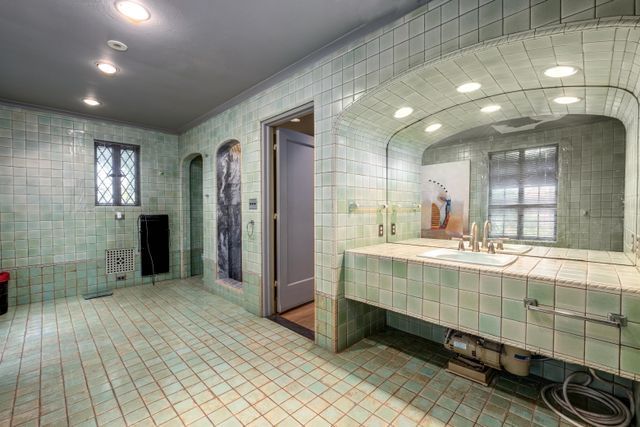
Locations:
{"points": [[612, 319], [355, 207]]}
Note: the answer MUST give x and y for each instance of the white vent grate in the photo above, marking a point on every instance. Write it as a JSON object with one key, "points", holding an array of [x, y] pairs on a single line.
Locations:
{"points": [[120, 260]]}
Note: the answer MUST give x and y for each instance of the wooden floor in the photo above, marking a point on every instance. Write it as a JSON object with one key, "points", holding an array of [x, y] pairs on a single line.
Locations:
{"points": [[303, 315]]}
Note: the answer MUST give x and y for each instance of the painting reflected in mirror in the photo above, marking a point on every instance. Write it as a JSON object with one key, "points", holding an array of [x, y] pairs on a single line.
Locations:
{"points": [[445, 199]]}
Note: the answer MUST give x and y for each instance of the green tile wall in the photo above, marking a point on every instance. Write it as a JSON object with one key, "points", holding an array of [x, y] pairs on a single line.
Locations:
{"points": [[52, 236], [350, 165]]}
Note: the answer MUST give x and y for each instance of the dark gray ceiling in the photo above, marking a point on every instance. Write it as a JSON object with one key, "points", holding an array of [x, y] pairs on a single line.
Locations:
{"points": [[189, 58]]}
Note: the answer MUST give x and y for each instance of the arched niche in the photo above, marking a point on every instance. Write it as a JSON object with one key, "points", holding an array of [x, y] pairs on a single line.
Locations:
{"points": [[192, 215], [228, 213], [196, 216]]}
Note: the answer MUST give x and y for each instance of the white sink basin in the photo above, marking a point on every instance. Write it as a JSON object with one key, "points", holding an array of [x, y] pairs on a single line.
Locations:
{"points": [[479, 258], [515, 249]]}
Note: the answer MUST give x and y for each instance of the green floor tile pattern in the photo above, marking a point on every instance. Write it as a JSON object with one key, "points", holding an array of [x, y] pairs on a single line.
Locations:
{"points": [[176, 354]]}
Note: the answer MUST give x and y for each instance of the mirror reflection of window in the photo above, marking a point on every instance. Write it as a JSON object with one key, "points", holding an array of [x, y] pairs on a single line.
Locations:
{"points": [[523, 200]]}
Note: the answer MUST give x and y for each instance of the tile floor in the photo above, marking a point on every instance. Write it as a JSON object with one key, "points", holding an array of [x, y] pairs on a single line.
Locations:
{"points": [[175, 354]]}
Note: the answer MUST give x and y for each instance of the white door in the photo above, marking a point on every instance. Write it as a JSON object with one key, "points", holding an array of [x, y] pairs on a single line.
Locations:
{"points": [[294, 224]]}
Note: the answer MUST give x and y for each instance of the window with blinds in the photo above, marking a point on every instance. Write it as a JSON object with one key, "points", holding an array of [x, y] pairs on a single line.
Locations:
{"points": [[523, 189]]}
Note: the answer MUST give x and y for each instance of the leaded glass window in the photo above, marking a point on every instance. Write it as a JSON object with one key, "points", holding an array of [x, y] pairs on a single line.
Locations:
{"points": [[117, 168]]}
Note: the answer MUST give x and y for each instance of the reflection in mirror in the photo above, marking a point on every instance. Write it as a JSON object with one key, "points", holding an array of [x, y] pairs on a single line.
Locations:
{"points": [[548, 185]]}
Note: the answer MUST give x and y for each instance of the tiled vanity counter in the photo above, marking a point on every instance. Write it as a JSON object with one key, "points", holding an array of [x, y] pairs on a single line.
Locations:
{"points": [[489, 301]]}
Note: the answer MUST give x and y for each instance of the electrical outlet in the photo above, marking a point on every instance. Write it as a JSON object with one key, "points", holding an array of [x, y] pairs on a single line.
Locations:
{"points": [[380, 230], [393, 229], [121, 277]]}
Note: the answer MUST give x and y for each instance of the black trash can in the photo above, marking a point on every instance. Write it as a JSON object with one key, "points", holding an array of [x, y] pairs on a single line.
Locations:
{"points": [[4, 292]]}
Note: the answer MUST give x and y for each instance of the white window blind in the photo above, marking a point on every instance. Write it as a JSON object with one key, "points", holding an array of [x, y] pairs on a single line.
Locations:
{"points": [[523, 189]]}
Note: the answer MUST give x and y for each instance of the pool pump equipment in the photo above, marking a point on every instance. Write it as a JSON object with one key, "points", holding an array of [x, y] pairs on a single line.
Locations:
{"points": [[573, 400], [477, 359]]}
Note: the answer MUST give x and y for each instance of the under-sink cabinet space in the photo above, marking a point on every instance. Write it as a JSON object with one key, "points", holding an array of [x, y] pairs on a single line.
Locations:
{"points": [[580, 312]]}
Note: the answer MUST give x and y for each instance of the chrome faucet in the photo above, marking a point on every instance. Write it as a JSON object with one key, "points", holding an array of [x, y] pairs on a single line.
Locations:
{"points": [[473, 243], [485, 234]]}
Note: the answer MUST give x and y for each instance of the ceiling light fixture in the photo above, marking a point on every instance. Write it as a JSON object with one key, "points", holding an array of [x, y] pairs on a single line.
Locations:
{"points": [[134, 11], [564, 100], [560, 71], [107, 68], [295, 120], [490, 108], [91, 102], [469, 87], [117, 45], [432, 128], [403, 112]]}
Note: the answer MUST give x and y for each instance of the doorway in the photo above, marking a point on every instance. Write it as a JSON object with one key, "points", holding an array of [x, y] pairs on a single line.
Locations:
{"points": [[289, 216], [195, 216]]}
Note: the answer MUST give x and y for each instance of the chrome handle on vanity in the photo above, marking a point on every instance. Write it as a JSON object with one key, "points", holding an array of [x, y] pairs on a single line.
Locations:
{"points": [[612, 319]]}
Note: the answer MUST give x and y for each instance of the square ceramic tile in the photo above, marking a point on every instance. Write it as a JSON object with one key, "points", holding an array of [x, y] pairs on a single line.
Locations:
{"points": [[514, 288], [513, 330], [573, 299], [602, 353], [566, 344], [539, 337], [490, 284], [630, 360], [449, 278], [543, 292], [469, 281], [468, 319]]}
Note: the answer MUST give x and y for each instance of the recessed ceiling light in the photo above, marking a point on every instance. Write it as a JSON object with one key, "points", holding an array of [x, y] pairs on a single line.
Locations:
{"points": [[295, 120], [402, 112], [134, 11], [107, 68], [469, 87], [91, 102], [566, 100], [432, 128], [490, 108], [560, 71], [117, 45]]}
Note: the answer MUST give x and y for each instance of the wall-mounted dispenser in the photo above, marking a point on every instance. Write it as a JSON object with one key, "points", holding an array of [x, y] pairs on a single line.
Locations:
{"points": [[153, 235]]}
